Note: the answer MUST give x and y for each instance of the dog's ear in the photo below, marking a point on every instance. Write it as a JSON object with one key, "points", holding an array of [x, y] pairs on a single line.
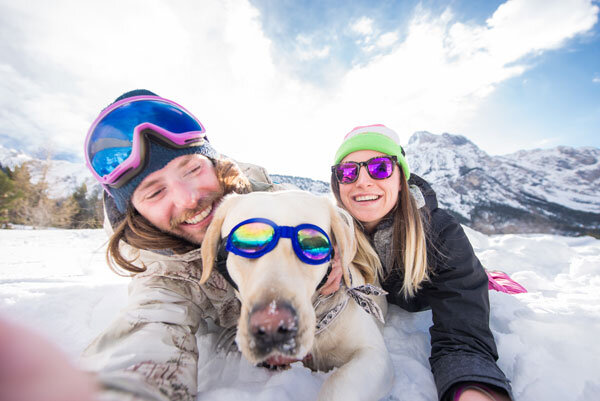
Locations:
{"points": [[212, 238], [342, 228]]}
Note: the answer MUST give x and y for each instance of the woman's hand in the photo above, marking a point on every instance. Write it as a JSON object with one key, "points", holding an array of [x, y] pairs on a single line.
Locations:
{"points": [[33, 369], [335, 276], [479, 394]]}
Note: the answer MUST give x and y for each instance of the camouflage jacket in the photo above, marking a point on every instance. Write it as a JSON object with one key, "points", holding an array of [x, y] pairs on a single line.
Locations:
{"points": [[149, 351]]}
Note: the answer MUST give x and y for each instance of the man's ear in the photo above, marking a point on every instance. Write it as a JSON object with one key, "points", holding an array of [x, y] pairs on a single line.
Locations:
{"points": [[342, 229], [212, 238]]}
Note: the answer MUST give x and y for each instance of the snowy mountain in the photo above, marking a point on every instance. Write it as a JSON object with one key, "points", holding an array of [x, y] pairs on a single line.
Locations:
{"points": [[551, 190], [530, 191], [62, 176], [303, 183]]}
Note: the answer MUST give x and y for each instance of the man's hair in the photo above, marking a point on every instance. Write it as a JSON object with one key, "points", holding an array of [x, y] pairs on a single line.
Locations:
{"points": [[409, 246], [139, 233]]}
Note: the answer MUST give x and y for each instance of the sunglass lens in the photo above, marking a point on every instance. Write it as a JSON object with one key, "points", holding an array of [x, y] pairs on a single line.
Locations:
{"points": [[313, 244], [346, 172], [380, 167], [252, 238]]}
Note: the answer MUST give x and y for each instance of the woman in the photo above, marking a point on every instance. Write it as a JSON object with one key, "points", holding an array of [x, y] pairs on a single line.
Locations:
{"points": [[428, 262]]}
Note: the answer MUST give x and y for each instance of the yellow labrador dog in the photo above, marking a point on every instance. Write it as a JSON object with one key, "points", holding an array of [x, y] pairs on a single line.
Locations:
{"points": [[279, 248]]}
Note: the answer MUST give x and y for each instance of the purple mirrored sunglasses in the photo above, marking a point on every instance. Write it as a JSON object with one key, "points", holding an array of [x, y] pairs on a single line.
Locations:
{"points": [[379, 168]]}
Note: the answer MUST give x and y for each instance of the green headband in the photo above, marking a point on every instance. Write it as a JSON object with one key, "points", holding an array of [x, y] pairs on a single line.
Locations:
{"points": [[372, 141]]}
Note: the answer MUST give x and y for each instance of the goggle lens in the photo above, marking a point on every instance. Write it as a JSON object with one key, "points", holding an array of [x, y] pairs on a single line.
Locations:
{"points": [[252, 238], [110, 141], [314, 244], [107, 160]]}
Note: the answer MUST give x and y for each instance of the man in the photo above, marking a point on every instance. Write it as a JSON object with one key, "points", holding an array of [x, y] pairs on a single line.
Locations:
{"points": [[163, 181]]}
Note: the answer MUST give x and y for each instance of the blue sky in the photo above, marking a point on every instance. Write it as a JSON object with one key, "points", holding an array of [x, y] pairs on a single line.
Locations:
{"points": [[279, 82]]}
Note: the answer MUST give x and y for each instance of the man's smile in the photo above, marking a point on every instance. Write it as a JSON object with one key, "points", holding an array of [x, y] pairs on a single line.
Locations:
{"points": [[200, 216]]}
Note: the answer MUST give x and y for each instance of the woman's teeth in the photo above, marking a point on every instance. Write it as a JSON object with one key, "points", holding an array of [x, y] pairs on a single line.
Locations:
{"points": [[200, 216], [366, 198]]}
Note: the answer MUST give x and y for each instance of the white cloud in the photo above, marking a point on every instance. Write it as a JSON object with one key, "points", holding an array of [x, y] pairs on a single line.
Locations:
{"points": [[306, 50], [362, 26], [387, 39], [440, 74], [596, 80], [68, 59]]}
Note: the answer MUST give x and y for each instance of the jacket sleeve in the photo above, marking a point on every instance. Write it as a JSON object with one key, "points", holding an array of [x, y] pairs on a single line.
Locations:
{"points": [[149, 352], [463, 347]]}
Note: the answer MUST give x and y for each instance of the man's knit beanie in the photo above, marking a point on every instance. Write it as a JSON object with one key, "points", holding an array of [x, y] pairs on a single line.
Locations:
{"points": [[376, 137]]}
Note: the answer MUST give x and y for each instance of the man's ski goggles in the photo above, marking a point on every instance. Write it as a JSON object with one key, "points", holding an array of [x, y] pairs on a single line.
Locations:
{"points": [[115, 146], [253, 238], [379, 168]]}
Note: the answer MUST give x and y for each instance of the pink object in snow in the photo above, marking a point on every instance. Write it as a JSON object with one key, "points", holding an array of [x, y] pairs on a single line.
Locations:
{"points": [[500, 281]]}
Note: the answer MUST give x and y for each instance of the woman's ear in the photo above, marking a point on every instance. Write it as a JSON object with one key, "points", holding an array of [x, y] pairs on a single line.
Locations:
{"points": [[342, 229], [212, 238]]}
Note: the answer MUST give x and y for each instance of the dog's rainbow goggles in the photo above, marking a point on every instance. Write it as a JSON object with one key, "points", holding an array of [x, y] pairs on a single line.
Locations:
{"points": [[253, 238]]}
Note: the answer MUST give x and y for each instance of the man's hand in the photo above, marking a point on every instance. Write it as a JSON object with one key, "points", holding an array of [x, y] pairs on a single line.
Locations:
{"points": [[335, 276], [33, 369]]}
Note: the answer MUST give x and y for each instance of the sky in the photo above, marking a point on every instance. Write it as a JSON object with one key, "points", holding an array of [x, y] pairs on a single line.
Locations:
{"points": [[279, 82], [547, 339]]}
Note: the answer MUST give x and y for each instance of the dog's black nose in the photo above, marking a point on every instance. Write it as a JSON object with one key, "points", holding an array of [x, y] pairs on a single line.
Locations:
{"points": [[273, 326]]}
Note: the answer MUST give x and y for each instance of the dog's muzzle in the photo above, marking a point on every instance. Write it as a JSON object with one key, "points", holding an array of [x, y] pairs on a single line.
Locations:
{"points": [[273, 327]]}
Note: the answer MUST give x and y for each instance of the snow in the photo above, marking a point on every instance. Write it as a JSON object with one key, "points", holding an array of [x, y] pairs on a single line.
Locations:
{"points": [[57, 282]]}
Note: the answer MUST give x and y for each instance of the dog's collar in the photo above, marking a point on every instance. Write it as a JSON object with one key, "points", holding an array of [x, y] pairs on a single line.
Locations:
{"points": [[360, 294], [221, 264]]}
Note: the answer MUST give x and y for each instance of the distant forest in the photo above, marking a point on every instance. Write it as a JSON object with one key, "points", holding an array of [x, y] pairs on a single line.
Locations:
{"points": [[26, 203]]}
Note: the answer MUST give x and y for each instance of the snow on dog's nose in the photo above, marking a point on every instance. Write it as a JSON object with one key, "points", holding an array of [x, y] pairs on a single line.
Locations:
{"points": [[273, 326]]}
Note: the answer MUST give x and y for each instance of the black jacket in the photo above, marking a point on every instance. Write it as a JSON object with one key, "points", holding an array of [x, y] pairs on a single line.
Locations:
{"points": [[462, 345]]}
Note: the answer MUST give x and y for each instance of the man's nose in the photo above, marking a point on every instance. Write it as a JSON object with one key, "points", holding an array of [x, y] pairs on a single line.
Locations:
{"points": [[185, 195]]}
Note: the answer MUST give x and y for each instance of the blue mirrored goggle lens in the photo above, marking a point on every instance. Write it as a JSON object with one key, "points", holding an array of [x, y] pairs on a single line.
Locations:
{"points": [[110, 142], [252, 238], [105, 161], [313, 244]]}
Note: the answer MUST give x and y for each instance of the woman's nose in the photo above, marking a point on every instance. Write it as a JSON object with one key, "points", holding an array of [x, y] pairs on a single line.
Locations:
{"points": [[185, 195], [363, 177]]}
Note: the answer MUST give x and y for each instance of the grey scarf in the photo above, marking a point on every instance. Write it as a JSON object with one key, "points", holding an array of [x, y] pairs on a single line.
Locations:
{"points": [[382, 237]]}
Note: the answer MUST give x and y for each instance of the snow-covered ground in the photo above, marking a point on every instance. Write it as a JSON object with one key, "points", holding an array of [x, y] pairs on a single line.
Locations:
{"points": [[57, 282]]}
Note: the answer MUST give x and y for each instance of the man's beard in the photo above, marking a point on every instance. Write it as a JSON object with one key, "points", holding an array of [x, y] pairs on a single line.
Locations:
{"points": [[213, 198]]}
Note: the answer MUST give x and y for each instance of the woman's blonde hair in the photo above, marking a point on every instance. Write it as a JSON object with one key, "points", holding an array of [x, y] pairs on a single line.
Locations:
{"points": [[138, 232], [409, 244]]}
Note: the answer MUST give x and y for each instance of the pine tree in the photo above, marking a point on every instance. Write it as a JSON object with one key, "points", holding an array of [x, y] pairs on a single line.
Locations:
{"points": [[9, 195], [36, 208], [89, 208]]}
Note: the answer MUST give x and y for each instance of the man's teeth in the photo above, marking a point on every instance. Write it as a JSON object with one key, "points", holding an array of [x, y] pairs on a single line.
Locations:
{"points": [[366, 198], [200, 216]]}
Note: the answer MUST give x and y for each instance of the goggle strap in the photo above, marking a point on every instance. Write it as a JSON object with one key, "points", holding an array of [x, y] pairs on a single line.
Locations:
{"points": [[221, 264], [286, 232], [325, 277]]}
